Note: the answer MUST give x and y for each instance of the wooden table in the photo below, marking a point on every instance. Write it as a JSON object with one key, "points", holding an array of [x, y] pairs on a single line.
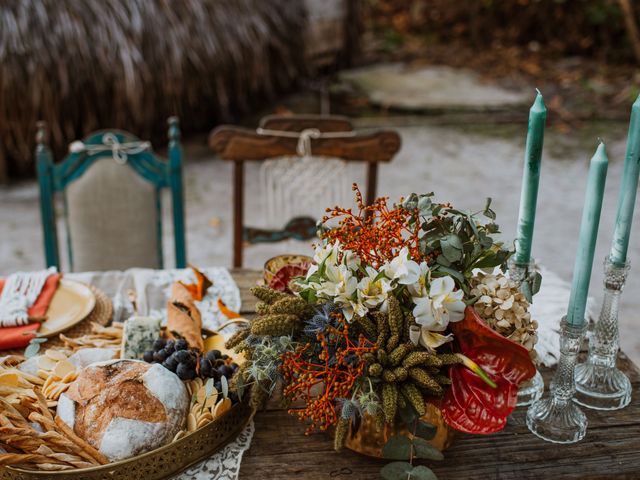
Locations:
{"points": [[611, 449]]}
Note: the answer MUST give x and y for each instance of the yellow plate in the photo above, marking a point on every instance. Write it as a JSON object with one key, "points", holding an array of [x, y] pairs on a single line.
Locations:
{"points": [[71, 303]]}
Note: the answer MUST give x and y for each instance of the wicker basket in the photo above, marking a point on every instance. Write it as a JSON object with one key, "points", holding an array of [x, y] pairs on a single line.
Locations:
{"points": [[160, 463]]}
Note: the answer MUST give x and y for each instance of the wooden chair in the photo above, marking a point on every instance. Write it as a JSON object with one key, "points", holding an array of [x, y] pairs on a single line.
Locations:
{"points": [[111, 183], [239, 145]]}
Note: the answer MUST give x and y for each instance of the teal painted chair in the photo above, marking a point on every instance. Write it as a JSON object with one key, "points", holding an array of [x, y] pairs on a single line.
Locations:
{"points": [[112, 185]]}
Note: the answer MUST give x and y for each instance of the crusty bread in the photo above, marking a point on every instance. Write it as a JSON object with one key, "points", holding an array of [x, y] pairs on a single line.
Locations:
{"points": [[125, 407]]}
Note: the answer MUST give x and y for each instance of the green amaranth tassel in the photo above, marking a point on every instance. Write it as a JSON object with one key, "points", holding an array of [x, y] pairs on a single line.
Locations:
{"points": [[383, 327], [263, 308], [449, 359], [383, 358], [422, 358], [389, 401], [235, 339], [367, 326], [268, 295], [396, 323], [375, 370], [292, 305], [409, 321], [396, 356], [341, 433], [275, 325], [424, 380], [414, 397]]}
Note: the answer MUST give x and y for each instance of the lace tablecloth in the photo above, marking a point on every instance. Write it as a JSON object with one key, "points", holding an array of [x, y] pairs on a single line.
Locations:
{"points": [[152, 289]]}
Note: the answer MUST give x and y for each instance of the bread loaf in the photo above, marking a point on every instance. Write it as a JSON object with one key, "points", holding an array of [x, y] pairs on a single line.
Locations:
{"points": [[125, 407]]}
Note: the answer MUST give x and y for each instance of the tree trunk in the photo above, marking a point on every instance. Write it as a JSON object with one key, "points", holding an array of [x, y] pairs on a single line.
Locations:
{"points": [[631, 26]]}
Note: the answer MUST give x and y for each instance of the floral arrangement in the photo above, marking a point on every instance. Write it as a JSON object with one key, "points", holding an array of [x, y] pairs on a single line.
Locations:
{"points": [[384, 323]]}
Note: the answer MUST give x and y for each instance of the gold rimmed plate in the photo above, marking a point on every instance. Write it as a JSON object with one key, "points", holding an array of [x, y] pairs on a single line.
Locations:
{"points": [[70, 304]]}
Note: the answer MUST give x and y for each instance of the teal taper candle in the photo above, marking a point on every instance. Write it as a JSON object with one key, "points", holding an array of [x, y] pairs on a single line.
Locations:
{"points": [[628, 189], [530, 180], [588, 236]]}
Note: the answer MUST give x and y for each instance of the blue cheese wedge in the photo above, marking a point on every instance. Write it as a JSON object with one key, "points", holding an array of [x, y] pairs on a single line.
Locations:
{"points": [[138, 336]]}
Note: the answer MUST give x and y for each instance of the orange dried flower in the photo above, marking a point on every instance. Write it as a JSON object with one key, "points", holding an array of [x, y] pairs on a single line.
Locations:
{"points": [[334, 370], [376, 233]]}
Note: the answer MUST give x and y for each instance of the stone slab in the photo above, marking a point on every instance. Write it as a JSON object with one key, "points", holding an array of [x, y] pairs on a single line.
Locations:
{"points": [[427, 88]]}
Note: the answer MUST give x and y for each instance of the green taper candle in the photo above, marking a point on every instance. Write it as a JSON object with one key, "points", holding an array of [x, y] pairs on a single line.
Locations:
{"points": [[588, 236], [628, 189], [530, 180]]}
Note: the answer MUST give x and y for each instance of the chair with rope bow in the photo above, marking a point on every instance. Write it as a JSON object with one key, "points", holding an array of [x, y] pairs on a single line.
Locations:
{"points": [[111, 183], [285, 146]]}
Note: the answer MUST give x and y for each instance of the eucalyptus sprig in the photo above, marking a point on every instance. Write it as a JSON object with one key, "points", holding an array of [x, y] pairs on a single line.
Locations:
{"points": [[460, 241]]}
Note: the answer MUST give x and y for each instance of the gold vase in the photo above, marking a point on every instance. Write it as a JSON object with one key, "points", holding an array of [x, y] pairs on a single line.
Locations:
{"points": [[369, 441]]}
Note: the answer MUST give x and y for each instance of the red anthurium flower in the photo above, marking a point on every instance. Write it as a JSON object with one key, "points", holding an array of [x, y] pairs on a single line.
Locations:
{"points": [[471, 405]]}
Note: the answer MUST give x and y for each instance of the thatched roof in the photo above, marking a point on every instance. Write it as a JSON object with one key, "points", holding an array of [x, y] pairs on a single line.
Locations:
{"points": [[83, 65]]}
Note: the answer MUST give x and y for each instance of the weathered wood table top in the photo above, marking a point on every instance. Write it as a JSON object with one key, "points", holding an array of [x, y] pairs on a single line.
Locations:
{"points": [[611, 449]]}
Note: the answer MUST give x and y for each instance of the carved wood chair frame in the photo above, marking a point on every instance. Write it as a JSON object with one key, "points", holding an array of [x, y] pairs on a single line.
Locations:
{"points": [[238, 145]]}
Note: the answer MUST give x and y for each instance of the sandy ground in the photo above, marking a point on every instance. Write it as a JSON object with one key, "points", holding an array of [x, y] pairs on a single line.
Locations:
{"points": [[461, 164]]}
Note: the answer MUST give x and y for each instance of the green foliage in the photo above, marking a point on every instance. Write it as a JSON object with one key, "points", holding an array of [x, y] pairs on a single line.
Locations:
{"points": [[459, 241], [531, 285], [397, 447], [34, 347], [400, 447], [404, 471], [425, 450], [425, 430]]}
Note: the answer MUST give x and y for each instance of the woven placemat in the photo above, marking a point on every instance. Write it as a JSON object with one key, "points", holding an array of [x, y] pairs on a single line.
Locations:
{"points": [[101, 314]]}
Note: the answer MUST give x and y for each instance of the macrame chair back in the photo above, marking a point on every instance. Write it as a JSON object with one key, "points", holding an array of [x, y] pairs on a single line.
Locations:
{"points": [[283, 141], [111, 184]]}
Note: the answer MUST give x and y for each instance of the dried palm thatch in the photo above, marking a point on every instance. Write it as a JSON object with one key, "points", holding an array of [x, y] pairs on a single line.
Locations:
{"points": [[131, 63]]}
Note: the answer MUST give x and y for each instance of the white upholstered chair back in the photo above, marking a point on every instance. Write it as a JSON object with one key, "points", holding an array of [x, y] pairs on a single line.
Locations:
{"points": [[112, 217]]}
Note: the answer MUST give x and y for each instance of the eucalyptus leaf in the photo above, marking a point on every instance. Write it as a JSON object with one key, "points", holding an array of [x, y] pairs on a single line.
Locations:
{"points": [[406, 471], [397, 447], [38, 340], [422, 473], [492, 228], [239, 386], [536, 283], [451, 247], [454, 273], [424, 449], [425, 430], [396, 471], [442, 260], [424, 206], [208, 387], [32, 349], [225, 386], [407, 414], [525, 288]]}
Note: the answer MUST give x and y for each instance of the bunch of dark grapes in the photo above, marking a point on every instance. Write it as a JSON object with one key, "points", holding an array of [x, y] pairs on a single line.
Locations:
{"points": [[216, 365], [174, 355]]}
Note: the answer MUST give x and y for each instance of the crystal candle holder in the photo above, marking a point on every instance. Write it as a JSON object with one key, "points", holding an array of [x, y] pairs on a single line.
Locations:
{"points": [[556, 418], [599, 384], [530, 390]]}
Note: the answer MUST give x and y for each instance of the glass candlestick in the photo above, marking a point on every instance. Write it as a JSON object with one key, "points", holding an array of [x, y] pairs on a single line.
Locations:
{"points": [[599, 384], [530, 390], [556, 418]]}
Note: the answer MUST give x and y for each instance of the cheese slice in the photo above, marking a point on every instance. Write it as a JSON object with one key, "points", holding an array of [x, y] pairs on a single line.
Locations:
{"points": [[138, 336]]}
